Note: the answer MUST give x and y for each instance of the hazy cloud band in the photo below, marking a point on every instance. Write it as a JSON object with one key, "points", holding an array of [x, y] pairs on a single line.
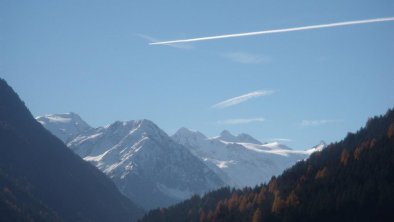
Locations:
{"points": [[241, 121], [242, 98], [305, 123]]}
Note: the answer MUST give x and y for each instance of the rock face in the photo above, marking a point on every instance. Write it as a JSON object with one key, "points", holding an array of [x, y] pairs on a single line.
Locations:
{"points": [[144, 162], [43, 180], [241, 160]]}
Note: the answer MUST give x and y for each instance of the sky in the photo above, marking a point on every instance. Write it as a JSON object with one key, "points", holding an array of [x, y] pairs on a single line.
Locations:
{"points": [[94, 58]]}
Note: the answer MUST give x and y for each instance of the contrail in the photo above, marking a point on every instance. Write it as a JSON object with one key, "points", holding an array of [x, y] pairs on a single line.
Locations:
{"points": [[322, 26]]}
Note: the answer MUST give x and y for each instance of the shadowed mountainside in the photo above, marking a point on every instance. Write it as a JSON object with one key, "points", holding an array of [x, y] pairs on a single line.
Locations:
{"points": [[42, 180]]}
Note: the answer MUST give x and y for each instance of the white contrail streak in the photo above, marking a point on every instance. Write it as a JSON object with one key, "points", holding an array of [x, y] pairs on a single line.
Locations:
{"points": [[322, 26]]}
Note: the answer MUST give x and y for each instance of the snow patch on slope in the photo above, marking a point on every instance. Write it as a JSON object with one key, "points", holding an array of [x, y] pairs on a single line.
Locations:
{"points": [[240, 163]]}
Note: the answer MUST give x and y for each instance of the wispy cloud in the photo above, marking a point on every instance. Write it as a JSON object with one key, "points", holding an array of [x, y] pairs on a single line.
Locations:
{"points": [[278, 140], [243, 98], [240, 121], [174, 45], [294, 29], [245, 58], [305, 123]]}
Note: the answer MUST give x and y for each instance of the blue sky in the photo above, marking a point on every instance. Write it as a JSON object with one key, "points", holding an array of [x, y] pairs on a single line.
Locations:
{"points": [[93, 58]]}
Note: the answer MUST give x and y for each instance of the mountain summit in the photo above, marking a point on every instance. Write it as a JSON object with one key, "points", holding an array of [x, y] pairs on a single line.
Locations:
{"points": [[225, 135], [64, 126]]}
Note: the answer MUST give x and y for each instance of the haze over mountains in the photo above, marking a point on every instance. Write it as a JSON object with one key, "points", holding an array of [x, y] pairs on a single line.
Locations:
{"points": [[156, 170]]}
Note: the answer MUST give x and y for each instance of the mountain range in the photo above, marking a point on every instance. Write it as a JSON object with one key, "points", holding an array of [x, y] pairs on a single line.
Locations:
{"points": [[42, 179], [156, 170], [144, 162]]}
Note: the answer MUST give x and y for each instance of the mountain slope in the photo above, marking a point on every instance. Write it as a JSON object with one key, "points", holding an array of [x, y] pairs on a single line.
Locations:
{"points": [[144, 162], [352, 180], [18, 204], [42, 179], [240, 160]]}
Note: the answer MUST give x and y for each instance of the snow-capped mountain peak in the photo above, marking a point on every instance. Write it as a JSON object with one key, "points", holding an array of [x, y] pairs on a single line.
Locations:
{"points": [[61, 118], [225, 135], [319, 147], [188, 133], [64, 126], [151, 129], [189, 137], [246, 138], [138, 128]]}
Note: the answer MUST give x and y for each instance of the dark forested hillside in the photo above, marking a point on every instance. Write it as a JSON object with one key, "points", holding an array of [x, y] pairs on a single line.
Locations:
{"points": [[42, 180], [352, 180]]}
